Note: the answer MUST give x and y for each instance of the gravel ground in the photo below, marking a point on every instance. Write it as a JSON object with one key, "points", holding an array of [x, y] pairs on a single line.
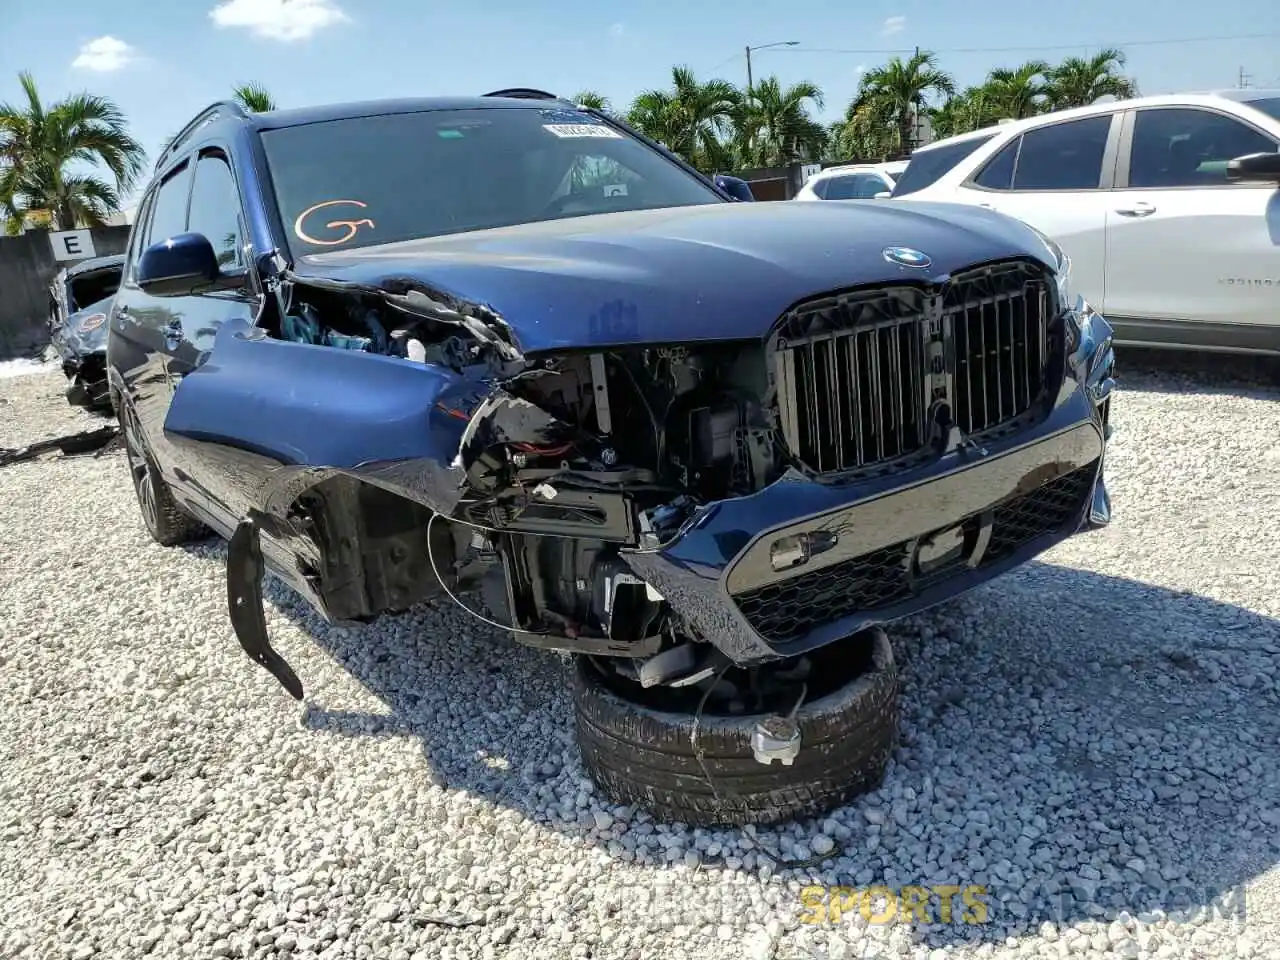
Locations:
{"points": [[1094, 739]]}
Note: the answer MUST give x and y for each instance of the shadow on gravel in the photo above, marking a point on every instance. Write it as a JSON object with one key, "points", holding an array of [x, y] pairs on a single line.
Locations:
{"points": [[1173, 371], [1076, 745]]}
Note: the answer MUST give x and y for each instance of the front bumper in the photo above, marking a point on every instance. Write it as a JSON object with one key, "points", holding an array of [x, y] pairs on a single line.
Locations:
{"points": [[87, 380], [894, 545]]}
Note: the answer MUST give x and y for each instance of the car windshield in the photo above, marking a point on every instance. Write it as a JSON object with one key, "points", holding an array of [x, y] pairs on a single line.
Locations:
{"points": [[354, 182], [1268, 105]]}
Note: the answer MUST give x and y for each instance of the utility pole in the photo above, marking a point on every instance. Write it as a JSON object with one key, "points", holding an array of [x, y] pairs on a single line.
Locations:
{"points": [[765, 46], [915, 119], [1243, 82]]}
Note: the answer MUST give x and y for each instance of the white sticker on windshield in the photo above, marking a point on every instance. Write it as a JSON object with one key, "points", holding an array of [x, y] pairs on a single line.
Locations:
{"points": [[615, 189], [582, 130]]}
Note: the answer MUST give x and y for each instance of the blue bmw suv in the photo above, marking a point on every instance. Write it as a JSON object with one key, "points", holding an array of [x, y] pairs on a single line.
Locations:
{"points": [[507, 350]]}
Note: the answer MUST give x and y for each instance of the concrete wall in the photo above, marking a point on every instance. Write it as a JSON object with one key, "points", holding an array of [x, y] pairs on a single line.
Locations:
{"points": [[27, 268]]}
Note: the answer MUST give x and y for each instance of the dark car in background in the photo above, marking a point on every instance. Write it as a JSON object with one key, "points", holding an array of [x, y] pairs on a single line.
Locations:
{"points": [[504, 344], [79, 299]]}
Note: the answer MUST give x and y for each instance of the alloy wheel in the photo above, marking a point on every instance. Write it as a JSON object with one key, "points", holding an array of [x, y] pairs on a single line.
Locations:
{"points": [[140, 470]]}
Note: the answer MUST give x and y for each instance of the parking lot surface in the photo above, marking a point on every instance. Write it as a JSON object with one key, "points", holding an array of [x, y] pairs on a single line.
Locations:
{"points": [[1090, 748]]}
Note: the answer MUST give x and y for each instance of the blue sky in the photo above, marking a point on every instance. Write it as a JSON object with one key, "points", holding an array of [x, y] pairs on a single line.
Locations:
{"points": [[163, 61]]}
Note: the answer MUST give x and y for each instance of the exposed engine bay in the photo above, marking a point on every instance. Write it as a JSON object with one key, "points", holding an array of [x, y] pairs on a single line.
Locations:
{"points": [[571, 459]]}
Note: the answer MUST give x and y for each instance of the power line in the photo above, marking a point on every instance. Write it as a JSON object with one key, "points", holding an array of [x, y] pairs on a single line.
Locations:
{"points": [[1025, 48]]}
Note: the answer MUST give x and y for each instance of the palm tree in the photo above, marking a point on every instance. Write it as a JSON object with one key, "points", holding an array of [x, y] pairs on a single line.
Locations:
{"points": [[39, 144], [970, 109], [253, 98], [773, 127], [691, 118], [868, 132], [1077, 82], [1020, 92], [898, 89], [592, 100]]}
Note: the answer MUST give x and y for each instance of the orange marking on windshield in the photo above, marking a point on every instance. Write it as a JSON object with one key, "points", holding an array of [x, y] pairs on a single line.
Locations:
{"points": [[352, 227]]}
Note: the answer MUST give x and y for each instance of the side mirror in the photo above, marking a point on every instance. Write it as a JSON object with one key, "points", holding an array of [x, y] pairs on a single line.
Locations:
{"points": [[181, 266], [736, 187], [882, 195], [1255, 168]]}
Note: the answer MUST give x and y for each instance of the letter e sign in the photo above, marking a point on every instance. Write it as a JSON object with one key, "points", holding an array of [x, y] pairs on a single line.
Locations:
{"points": [[72, 245]]}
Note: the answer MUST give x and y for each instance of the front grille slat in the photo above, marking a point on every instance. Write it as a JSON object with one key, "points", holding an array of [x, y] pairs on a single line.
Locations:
{"points": [[853, 388]]}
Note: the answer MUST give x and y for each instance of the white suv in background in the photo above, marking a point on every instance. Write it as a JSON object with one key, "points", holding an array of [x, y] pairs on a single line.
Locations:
{"points": [[855, 181], [1136, 192]]}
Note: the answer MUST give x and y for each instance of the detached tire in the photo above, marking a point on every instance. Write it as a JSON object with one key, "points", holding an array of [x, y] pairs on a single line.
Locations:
{"points": [[642, 756]]}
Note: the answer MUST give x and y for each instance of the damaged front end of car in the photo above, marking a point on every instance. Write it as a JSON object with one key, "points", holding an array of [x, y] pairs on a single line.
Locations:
{"points": [[674, 510]]}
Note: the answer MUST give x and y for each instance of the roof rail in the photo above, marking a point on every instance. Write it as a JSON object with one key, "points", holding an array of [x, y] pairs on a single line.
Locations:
{"points": [[204, 116], [525, 93]]}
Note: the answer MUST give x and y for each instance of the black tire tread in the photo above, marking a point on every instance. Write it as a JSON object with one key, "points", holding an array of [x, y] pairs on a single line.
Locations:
{"points": [[645, 757]]}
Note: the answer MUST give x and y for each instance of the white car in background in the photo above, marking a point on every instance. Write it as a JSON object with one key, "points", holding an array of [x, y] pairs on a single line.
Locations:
{"points": [[854, 181], [1172, 250]]}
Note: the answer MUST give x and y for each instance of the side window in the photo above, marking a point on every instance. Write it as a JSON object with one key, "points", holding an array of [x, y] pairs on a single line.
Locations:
{"points": [[930, 164], [998, 173], [138, 235], [1063, 156], [215, 209], [820, 188], [1186, 147], [169, 207]]}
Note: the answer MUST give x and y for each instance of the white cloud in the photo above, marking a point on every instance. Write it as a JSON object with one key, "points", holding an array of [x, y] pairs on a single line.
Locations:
{"points": [[893, 25], [104, 55], [284, 20], [617, 29]]}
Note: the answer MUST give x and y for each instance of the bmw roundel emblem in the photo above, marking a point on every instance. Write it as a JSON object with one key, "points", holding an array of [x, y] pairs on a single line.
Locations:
{"points": [[906, 257]]}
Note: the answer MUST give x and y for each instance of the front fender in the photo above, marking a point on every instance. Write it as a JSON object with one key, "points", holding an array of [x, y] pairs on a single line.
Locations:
{"points": [[316, 411]]}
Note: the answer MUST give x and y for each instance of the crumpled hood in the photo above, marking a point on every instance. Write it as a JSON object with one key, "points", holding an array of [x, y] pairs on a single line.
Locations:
{"points": [[712, 272]]}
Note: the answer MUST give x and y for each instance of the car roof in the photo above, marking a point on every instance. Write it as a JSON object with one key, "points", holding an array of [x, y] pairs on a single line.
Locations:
{"points": [[1202, 98]]}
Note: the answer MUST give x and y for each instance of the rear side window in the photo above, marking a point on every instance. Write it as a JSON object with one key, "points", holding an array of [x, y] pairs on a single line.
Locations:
{"points": [[998, 173], [927, 166], [1063, 156]]}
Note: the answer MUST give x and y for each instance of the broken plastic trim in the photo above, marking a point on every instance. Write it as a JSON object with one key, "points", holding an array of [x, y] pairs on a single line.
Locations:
{"points": [[244, 601], [86, 441]]}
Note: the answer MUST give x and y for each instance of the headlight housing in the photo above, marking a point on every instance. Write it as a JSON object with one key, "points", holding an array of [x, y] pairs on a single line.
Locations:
{"points": [[1062, 269]]}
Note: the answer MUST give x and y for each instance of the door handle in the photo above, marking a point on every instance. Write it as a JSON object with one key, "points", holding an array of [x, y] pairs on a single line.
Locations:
{"points": [[1137, 210], [173, 334]]}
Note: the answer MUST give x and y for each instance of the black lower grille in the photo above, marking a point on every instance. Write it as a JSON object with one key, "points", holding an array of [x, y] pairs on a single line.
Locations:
{"points": [[787, 610], [998, 320]]}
